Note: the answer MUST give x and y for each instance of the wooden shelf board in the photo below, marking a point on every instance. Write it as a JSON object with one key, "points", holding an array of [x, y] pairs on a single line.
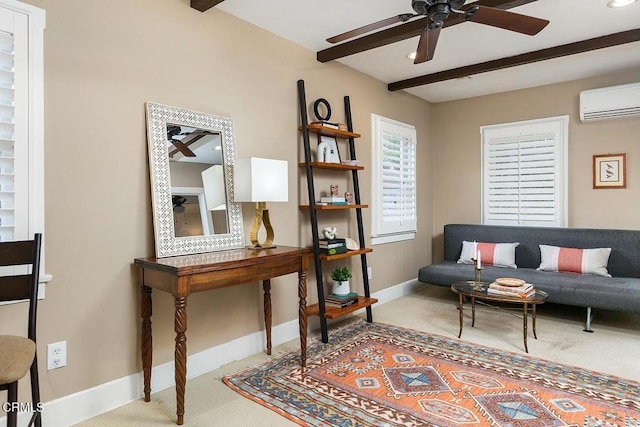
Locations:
{"points": [[334, 207], [344, 255], [327, 131], [336, 166], [335, 313]]}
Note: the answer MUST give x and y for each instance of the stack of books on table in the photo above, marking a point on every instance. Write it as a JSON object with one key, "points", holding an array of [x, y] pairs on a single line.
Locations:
{"points": [[333, 200], [341, 301], [525, 290], [333, 246]]}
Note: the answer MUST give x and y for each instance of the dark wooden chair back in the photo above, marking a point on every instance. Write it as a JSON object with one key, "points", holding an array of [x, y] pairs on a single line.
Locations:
{"points": [[18, 287], [22, 286]]}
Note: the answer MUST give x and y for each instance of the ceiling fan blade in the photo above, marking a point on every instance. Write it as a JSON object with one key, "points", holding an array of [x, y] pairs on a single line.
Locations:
{"points": [[192, 137], [427, 43], [512, 21], [403, 17], [183, 148]]}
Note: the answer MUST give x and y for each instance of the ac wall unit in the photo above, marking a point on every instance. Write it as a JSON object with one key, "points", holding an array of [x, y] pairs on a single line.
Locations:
{"points": [[610, 102]]}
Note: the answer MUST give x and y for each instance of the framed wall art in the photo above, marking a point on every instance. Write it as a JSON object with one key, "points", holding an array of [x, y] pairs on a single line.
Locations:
{"points": [[609, 171]]}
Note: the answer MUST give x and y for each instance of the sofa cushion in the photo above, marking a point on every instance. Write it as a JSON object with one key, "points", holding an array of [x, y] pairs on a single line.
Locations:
{"points": [[575, 260], [497, 254], [617, 293], [620, 292]]}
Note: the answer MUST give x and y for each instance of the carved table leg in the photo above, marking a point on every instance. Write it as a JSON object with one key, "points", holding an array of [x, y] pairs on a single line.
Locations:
{"points": [[302, 316], [525, 313], [533, 318], [460, 298], [266, 285], [146, 340], [180, 355], [473, 312]]}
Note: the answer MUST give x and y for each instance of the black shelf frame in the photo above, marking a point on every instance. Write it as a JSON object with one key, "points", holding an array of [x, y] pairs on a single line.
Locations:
{"points": [[313, 214]]}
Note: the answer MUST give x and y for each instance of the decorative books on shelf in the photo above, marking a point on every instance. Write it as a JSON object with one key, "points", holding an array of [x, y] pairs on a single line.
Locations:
{"points": [[326, 242], [341, 301], [326, 124], [333, 200], [332, 246], [524, 290]]}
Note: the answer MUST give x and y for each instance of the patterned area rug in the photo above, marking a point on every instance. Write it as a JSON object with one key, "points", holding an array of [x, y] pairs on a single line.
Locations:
{"points": [[381, 375]]}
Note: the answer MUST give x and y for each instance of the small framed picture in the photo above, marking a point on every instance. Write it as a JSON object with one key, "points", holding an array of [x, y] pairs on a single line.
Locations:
{"points": [[328, 149], [609, 171]]}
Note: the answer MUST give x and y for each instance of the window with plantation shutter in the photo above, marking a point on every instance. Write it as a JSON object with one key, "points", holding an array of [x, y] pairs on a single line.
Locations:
{"points": [[21, 124], [393, 195], [524, 168]]}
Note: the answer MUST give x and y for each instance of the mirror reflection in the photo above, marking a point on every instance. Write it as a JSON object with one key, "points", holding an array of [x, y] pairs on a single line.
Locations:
{"points": [[191, 158], [197, 181]]}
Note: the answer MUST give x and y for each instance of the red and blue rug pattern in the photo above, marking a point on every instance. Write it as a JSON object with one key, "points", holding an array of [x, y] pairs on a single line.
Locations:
{"points": [[372, 374]]}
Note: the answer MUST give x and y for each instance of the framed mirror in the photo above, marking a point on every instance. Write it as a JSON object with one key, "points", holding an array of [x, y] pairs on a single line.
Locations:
{"points": [[191, 157]]}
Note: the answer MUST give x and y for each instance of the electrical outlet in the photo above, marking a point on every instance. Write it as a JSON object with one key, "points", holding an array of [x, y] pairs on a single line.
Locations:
{"points": [[56, 355], [369, 273]]}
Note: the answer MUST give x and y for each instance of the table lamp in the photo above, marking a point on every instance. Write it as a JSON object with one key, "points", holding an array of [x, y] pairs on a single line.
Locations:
{"points": [[260, 181]]}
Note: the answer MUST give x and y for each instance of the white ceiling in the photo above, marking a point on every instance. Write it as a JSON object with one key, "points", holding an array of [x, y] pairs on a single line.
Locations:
{"points": [[309, 23]]}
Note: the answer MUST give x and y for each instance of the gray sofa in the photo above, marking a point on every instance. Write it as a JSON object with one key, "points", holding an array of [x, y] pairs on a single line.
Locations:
{"points": [[620, 292]]}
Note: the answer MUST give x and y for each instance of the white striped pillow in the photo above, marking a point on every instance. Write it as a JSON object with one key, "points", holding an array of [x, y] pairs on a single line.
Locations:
{"points": [[574, 260], [496, 254]]}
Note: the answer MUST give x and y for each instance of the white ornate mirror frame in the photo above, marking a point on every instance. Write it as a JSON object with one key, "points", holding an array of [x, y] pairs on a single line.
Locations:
{"points": [[167, 244]]}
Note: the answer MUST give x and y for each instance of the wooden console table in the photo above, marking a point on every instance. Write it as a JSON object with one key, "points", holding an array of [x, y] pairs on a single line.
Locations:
{"points": [[183, 275]]}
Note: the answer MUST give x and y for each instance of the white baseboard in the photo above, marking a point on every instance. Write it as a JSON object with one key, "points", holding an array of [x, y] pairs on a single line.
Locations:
{"points": [[394, 292], [80, 406]]}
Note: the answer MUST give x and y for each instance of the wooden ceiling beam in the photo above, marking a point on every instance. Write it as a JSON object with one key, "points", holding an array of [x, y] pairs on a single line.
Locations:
{"points": [[204, 5], [602, 42], [403, 31]]}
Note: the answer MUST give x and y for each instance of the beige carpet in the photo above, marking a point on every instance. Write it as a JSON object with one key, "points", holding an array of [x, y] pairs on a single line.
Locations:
{"points": [[613, 349]]}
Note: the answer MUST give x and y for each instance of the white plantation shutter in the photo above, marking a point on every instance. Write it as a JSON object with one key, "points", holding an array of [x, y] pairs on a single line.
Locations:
{"points": [[524, 169], [394, 180], [21, 124], [7, 140]]}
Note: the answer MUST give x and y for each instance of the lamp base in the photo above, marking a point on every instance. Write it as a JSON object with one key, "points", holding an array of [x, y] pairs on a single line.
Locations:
{"points": [[260, 248], [261, 216]]}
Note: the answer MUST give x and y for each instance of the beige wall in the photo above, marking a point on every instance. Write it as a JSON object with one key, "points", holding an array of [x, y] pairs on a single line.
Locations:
{"points": [[456, 142], [103, 61]]}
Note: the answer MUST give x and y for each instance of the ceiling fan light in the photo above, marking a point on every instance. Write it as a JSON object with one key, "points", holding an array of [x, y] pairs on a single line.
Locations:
{"points": [[411, 55], [620, 3]]}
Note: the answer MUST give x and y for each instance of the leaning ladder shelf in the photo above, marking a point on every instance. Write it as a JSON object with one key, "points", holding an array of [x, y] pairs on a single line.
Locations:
{"points": [[320, 309]]}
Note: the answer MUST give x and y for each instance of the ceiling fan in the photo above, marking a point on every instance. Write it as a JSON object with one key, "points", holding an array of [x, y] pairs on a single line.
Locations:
{"points": [[181, 139], [178, 203], [438, 11]]}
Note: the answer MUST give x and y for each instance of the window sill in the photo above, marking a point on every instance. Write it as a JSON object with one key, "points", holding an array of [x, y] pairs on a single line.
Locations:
{"points": [[392, 238]]}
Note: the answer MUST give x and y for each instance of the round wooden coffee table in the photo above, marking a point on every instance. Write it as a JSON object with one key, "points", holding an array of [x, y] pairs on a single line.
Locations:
{"points": [[473, 291]]}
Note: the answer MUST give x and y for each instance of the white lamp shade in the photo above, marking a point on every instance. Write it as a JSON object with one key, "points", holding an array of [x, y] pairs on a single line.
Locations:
{"points": [[260, 180]]}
